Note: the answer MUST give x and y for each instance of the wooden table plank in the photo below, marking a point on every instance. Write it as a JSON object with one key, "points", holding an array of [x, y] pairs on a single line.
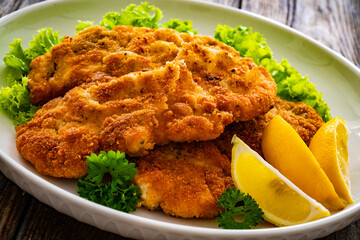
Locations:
{"points": [[279, 10], [334, 23], [13, 206], [51, 224]]}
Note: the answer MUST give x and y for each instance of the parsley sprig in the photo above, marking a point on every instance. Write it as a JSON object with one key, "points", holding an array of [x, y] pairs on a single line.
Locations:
{"points": [[109, 181], [236, 203]]}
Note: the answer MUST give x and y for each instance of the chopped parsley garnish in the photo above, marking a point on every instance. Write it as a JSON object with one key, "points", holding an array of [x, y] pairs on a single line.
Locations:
{"points": [[109, 181], [238, 204]]}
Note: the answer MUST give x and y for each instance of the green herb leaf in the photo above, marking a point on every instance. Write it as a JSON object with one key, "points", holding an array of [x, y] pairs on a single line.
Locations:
{"points": [[113, 163], [117, 192], [292, 86], [235, 204]]}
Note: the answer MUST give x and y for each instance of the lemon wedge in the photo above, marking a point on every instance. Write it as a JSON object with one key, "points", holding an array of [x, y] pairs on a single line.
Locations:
{"points": [[284, 149], [329, 146], [282, 202]]}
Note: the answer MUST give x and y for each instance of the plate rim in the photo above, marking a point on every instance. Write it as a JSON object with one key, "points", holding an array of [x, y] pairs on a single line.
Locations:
{"points": [[199, 231]]}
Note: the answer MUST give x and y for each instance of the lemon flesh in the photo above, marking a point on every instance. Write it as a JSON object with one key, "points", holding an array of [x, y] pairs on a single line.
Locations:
{"points": [[282, 202], [284, 149], [329, 146]]}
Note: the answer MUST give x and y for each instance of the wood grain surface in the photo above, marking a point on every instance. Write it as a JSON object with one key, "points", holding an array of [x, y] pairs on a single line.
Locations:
{"points": [[334, 23]]}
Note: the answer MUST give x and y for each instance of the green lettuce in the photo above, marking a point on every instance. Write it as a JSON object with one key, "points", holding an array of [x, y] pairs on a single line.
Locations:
{"points": [[243, 39], [83, 24], [15, 102], [42, 43], [143, 15], [19, 59], [15, 98], [291, 85], [180, 26], [16, 59]]}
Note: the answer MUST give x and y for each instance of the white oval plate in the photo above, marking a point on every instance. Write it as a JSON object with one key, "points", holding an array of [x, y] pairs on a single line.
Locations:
{"points": [[334, 76]]}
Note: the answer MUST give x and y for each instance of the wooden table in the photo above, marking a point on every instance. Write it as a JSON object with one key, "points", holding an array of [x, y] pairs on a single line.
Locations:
{"points": [[334, 23]]}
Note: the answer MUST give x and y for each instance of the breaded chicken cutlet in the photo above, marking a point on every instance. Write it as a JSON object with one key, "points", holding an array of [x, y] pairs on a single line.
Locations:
{"points": [[303, 118], [192, 96], [183, 179], [96, 53]]}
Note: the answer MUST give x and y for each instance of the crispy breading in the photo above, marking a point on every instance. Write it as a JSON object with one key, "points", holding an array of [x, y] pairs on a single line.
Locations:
{"points": [[97, 53], [191, 98], [183, 179], [178, 179], [130, 114], [303, 118]]}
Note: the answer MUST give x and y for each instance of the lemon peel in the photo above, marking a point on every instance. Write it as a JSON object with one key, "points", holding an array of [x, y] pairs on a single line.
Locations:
{"points": [[284, 149], [281, 201]]}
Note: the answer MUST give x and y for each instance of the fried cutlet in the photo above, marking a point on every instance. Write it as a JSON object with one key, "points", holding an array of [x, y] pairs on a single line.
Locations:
{"points": [[303, 118], [130, 88], [96, 54], [183, 179], [132, 113]]}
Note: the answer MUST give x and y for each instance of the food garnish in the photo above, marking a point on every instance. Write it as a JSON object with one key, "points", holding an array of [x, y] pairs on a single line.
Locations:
{"points": [[180, 26], [235, 204], [109, 181], [143, 15], [284, 149], [329, 146], [290, 84], [110, 175], [14, 99], [281, 201]]}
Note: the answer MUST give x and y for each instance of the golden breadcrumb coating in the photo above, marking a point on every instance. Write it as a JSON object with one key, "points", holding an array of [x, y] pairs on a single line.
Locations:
{"points": [[96, 53], [190, 96], [183, 179], [303, 118]]}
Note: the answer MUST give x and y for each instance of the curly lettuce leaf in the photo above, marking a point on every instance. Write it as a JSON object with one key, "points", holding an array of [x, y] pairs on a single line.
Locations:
{"points": [[15, 102], [42, 43], [243, 39], [143, 15], [82, 25], [180, 26], [17, 60], [15, 99], [291, 85]]}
